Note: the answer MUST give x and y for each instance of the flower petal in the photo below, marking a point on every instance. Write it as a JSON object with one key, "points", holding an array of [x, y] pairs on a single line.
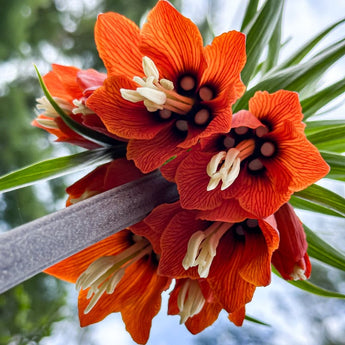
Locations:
{"points": [[192, 181], [71, 268], [232, 291], [173, 42], [149, 155], [117, 39], [123, 118], [226, 57]]}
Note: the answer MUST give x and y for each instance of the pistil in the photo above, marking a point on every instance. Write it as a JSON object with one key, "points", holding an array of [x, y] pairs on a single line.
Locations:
{"points": [[202, 247], [229, 163], [103, 275]]}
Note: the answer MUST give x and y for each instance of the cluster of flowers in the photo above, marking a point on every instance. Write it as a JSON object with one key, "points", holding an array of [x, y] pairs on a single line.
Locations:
{"points": [[169, 100]]}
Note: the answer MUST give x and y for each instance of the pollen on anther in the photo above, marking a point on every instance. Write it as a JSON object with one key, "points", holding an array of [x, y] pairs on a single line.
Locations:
{"points": [[241, 130], [228, 142], [261, 131], [165, 114], [255, 165], [206, 93], [267, 149], [252, 223], [202, 117], [187, 83], [182, 125]]}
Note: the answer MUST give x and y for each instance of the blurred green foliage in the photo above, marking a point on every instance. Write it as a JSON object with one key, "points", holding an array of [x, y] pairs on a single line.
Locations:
{"points": [[40, 32]]}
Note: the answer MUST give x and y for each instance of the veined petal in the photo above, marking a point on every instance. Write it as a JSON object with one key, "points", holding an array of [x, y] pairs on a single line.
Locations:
{"points": [[71, 268], [174, 244], [149, 155], [256, 265], [90, 79], [237, 317], [137, 296], [303, 160], [117, 39], [173, 42], [277, 108], [245, 118], [123, 118], [62, 82], [192, 181], [226, 57], [232, 291]]}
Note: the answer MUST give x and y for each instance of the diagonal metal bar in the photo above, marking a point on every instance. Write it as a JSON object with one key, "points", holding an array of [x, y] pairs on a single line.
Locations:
{"points": [[32, 247]]}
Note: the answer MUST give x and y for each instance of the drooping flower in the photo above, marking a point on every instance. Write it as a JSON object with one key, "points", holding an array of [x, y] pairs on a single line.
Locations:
{"points": [[234, 257], [291, 258], [70, 87], [103, 178], [255, 167], [117, 274], [164, 90], [193, 300]]}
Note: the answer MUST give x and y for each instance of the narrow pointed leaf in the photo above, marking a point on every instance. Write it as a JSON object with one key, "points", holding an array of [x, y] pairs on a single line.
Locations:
{"points": [[274, 46], [252, 319], [316, 101], [323, 197], [298, 56], [87, 133], [312, 288], [259, 32], [295, 78], [330, 139], [56, 167], [313, 207], [322, 251], [251, 11], [337, 164], [318, 126]]}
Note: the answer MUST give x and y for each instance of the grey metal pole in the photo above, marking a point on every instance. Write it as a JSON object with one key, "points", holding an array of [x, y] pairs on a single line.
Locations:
{"points": [[32, 247]]}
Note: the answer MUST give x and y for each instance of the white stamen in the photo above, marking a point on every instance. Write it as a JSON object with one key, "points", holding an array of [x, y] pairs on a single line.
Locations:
{"points": [[202, 248], [81, 108], [155, 93], [227, 173], [298, 273], [48, 110], [104, 274], [190, 300], [47, 123], [86, 194]]}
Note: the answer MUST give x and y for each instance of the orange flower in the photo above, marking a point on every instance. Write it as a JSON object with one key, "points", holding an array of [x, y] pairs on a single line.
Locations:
{"points": [[233, 257], [193, 300], [70, 88], [291, 258], [254, 169], [164, 90], [117, 274], [103, 178]]}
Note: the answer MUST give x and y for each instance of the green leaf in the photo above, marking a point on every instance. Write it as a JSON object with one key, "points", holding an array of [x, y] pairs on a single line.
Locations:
{"points": [[57, 167], [295, 78], [337, 164], [274, 47], [323, 197], [252, 319], [322, 251], [251, 10], [316, 101], [318, 126], [259, 32], [313, 207], [87, 133], [305, 49], [312, 288], [329, 139]]}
